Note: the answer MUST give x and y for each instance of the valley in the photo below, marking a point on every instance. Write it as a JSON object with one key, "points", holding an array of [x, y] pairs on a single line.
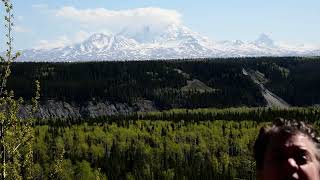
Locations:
{"points": [[92, 89]]}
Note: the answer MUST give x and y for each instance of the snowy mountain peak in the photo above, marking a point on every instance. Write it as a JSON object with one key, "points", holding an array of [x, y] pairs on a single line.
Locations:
{"points": [[238, 42], [177, 31], [97, 36], [144, 34], [264, 40], [152, 34], [171, 42], [97, 41]]}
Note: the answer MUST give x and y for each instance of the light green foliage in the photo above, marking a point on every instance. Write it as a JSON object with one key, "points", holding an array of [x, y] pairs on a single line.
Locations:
{"points": [[178, 144], [16, 134], [150, 149], [16, 140], [9, 56], [84, 171]]}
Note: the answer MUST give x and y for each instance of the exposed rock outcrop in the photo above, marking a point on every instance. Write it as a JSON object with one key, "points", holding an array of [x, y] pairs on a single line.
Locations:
{"points": [[58, 109]]}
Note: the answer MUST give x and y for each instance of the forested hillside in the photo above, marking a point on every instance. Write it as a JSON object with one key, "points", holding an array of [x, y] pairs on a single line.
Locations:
{"points": [[173, 83], [296, 80], [175, 143]]}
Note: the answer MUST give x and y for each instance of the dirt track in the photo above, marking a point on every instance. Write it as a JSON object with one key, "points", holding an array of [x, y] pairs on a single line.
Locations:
{"points": [[272, 99]]}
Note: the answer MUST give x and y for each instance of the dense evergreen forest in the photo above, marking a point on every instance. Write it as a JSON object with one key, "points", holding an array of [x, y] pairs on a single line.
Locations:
{"points": [[175, 144], [173, 83], [194, 136], [147, 150]]}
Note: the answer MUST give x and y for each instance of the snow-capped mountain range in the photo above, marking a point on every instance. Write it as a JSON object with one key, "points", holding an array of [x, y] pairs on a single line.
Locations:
{"points": [[173, 42]]}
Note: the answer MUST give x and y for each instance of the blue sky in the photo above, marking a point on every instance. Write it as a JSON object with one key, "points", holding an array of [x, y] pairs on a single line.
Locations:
{"points": [[46, 23]]}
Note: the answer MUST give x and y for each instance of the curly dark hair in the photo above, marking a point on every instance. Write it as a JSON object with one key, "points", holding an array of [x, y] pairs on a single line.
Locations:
{"points": [[282, 126]]}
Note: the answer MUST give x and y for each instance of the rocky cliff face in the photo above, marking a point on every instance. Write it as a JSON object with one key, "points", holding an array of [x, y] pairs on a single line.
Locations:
{"points": [[92, 109]]}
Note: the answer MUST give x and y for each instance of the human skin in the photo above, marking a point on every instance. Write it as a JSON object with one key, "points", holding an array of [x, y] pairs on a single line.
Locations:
{"points": [[290, 157]]}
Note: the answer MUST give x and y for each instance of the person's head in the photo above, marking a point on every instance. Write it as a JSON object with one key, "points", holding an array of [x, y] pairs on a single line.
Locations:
{"points": [[288, 149]]}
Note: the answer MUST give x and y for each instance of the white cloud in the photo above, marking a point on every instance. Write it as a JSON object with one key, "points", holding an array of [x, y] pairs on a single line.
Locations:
{"points": [[106, 21], [62, 41], [80, 36], [59, 42], [117, 20]]}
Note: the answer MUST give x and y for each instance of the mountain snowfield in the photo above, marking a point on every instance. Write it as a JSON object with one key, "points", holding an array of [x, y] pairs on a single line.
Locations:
{"points": [[173, 42]]}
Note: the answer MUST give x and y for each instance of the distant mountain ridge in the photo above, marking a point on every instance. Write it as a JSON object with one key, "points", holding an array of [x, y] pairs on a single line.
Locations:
{"points": [[173, 42]]}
